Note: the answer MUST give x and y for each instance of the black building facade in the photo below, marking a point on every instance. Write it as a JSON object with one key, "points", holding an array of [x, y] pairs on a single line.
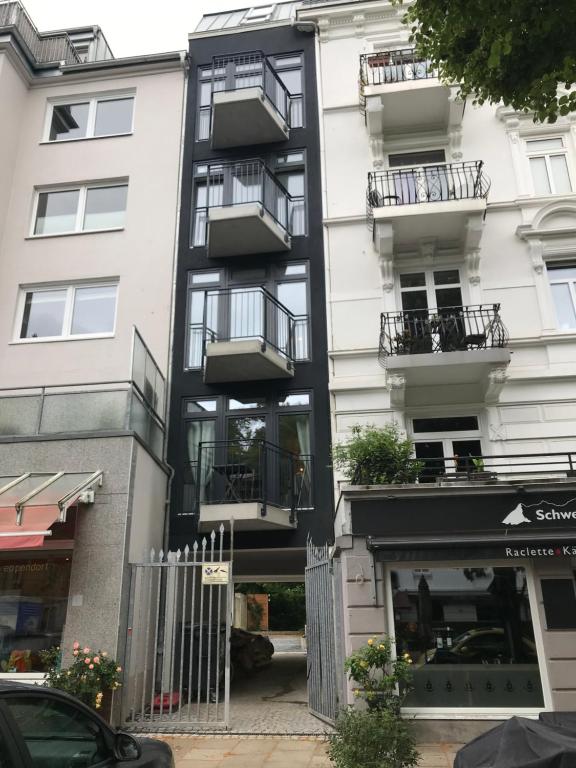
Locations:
{"points": [[250, 419]]}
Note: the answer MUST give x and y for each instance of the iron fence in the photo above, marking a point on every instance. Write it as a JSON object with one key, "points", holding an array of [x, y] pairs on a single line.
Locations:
{"points": [[44, 48], [238, 183], [249, 470], [397, 66], [427, 184], [446, 329]]}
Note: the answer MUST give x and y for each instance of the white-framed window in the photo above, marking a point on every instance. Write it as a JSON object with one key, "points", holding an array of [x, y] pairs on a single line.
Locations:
{"points": [[49, 312], [259, 13], [548, 160], [562, 279], [446, 444], [82, 208], [89, 117]]}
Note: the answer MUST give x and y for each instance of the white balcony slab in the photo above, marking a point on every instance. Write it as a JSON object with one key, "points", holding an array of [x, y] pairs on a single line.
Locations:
{"points": [[240, 230], [245, 117], [244, 360], [248, 516]]}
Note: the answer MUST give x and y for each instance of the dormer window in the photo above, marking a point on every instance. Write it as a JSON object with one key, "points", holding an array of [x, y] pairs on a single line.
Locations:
{"points": [[261, 13]]}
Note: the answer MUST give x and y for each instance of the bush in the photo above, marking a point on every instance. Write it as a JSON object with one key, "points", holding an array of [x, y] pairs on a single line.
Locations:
{"points": [[383, 681], [374, 738], [376, 456]]}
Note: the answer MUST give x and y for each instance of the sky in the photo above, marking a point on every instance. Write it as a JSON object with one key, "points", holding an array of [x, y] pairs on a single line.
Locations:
{"points": [[132, 26]]}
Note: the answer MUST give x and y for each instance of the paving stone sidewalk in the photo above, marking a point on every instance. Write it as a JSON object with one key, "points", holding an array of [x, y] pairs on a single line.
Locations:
{"points": [[276, 752]]}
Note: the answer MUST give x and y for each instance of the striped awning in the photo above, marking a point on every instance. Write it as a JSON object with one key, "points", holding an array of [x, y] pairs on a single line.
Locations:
{"points": [[31, 503]]}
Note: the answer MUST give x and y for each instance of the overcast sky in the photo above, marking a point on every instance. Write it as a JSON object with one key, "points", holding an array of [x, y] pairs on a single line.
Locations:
{"points": [[132, 26]]}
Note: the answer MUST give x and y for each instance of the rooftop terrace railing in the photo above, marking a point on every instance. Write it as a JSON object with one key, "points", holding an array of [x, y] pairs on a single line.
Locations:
{"points": [[44, 48]]}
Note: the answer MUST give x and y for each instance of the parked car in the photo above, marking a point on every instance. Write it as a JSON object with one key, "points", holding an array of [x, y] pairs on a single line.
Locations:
{"points": [[482, 646], [45, 728]]}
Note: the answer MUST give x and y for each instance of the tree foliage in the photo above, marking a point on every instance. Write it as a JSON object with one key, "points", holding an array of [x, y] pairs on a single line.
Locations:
{"points": [[521, 52]]}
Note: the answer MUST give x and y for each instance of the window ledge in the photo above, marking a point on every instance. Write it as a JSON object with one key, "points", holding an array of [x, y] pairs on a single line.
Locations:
{"points": [[86, 138], [70, 234], [52, 339]]}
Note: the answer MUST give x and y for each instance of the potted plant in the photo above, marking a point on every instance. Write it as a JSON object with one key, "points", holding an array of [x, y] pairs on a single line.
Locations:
{"points": [[479, 472], [92, 676], [377, 456]]}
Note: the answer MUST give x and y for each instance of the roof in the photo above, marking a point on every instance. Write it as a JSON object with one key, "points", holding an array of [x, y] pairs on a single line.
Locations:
{"points": [[269, 13]]}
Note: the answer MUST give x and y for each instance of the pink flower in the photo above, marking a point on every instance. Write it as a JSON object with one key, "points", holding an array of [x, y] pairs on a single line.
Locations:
{"points": [[86, 660], [96, 659], [86, 650], [75, 653], [76, 646], [90, 666]]}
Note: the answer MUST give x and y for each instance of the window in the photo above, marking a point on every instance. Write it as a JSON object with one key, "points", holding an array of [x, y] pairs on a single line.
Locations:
{"points": [[260, 13], [469, 635], [289, 69], [549, 166], [291, 174], [53, 312], [5, 759], [91, 118], [56, 732], [82, 209], [563, 286], [425, 177], [446, 444]]}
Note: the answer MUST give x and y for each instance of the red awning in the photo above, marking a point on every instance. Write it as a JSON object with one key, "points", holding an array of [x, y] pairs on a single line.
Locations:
{"points": [[30, 504]]}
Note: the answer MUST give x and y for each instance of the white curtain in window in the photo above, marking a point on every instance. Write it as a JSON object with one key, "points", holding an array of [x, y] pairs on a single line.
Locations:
{"points": [[201, 431]]}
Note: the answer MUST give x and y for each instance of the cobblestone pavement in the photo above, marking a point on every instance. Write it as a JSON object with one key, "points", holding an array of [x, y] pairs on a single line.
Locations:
{"points": [[276, 752]]}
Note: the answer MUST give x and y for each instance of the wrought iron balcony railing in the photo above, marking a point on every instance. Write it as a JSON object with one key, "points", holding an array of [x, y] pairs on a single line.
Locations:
{"points": [[447, 329], [386, 67], [427, 184], [248, 470], [238, 183], [240, 314], [43, 48], [500, 468]]}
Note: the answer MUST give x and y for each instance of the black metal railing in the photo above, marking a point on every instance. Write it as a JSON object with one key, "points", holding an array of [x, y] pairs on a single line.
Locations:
{"points": [[446, 329], [43, 48], [499, 468], [239, 314], [397, 66], [427, 184], [248, 470], [238, 183]]}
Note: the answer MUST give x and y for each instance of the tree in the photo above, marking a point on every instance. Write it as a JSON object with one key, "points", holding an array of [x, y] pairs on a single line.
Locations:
{"points": [[521, 52]]}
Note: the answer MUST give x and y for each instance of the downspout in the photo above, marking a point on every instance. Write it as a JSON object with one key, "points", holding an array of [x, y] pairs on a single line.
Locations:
{"points": [[185, 69]]}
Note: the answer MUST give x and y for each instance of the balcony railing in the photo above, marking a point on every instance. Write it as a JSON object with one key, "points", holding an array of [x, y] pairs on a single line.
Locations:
{"points": [[240, 314], [43, 48], [238, 183], [428, 184], [248, 470], [397, 66], [448, 329], [500, 468]]}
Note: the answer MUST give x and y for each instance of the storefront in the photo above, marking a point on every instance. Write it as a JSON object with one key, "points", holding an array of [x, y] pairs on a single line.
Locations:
{"points": [[477, 587]]}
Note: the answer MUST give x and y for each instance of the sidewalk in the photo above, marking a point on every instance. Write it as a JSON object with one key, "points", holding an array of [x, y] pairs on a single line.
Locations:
{"points": [[276, 752]]}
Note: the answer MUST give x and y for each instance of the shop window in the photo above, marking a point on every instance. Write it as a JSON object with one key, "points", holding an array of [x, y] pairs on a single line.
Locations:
{"points": [[549, 166], [33, 604], [559, 598], [469, 635], [562, 279]]}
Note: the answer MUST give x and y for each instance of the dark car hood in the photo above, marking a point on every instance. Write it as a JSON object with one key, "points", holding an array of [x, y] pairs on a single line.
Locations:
{"points": [[155, 754]]}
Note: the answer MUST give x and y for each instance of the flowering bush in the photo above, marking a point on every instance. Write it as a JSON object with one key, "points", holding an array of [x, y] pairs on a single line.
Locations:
{"points": [[382, 681], [89, 677]]}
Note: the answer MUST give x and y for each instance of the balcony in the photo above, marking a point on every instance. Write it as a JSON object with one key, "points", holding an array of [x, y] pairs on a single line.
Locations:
{"points": [[260, 485], [400, 90], [243, 211], [42, 49], [445, 203], [249, 102], [246, 335], [445, 355]]}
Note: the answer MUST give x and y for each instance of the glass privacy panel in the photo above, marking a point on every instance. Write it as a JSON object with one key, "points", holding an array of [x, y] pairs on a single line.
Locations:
{"points": [[56, 212], [105, 207], [43, 314], [19, 415], [468, 633], [94, 310], [84, 412], [113, 116], [69, 121]]}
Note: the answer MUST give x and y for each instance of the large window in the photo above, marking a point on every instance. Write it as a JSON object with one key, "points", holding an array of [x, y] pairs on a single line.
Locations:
{"points": [[449, 444], [562, 279], [33, 604], [290, 70], [85, 208], [90, 118], [468, 633], [55, 312], [549, 165]]}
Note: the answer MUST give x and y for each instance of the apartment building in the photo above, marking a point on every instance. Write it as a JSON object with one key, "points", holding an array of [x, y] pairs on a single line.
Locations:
{"points": [[249, 418], [450, 263], [90, 157]]}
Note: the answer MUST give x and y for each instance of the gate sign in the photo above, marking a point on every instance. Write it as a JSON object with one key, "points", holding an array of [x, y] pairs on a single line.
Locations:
{"points": [[215, 573]]}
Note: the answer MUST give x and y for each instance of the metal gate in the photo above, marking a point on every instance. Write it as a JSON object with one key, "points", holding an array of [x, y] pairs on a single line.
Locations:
{"points": [[320, 639], [177, 675]]}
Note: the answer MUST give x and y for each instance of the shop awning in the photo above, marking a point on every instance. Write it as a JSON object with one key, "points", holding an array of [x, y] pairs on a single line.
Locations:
{"points": [[31, 503]]}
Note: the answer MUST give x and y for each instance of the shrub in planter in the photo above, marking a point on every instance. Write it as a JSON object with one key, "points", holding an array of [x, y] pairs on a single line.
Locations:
{"points": [[377, 456]]}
